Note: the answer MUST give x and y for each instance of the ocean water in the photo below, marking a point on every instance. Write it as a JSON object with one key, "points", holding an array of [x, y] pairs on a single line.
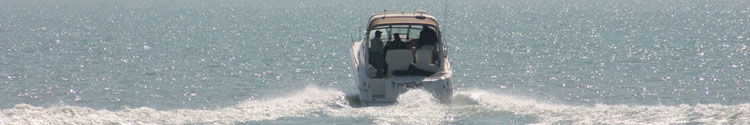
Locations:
{"points": [[287, 62]]}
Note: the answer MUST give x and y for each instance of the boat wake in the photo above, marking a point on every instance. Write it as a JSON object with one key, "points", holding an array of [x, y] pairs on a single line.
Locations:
{"points": [[413, 107], [611, 114], [300, 104]]}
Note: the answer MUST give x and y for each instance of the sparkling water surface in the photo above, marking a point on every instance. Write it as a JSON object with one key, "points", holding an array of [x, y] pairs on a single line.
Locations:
{"points": [[287, 62]]}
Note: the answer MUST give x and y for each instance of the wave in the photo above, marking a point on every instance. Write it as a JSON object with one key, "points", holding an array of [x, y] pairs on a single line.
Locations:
{"points": [[296, 105], [413, 107], [612, 114]]}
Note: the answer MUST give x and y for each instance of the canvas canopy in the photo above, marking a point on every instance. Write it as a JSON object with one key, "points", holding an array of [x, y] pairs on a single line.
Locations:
{"points": [[402, 18]]}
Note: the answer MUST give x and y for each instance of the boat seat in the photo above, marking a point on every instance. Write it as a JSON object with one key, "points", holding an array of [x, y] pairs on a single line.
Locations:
{"points": [[424, 54], [398, 60], [424, 58]]}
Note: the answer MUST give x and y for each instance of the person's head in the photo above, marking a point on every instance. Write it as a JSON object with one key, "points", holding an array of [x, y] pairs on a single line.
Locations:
{"points": [[425, 26], [396, 36], [377, 34]]}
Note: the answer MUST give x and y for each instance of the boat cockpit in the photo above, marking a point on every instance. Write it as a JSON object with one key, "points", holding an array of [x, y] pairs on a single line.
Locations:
{"points": [[414, 52]]}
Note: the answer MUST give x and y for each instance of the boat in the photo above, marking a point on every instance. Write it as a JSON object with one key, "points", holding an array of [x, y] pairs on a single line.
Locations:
{"points": [[420, 63]]}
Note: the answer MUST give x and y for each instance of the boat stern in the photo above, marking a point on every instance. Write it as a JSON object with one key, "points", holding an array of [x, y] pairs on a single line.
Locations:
{"points": [[387, 90]]}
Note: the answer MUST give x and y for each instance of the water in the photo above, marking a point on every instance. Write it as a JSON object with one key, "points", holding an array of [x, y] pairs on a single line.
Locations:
{"points": [[287, 62]]}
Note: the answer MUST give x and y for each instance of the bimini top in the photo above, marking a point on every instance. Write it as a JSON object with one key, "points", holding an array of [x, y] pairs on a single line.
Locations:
{"points": [[391, 18]]}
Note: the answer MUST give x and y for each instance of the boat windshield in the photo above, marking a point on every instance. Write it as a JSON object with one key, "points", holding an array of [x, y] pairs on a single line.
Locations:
{"points": [[406, 32]]}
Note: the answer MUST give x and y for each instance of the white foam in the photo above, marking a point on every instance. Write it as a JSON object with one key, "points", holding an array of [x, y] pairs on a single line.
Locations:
{"points": [[300, 104], [613, 114], [413, 107]]}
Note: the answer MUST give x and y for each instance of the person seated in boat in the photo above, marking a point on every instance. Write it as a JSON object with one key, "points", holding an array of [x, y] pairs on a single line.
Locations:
{"points": [[395, 44], [401, 58], [376, 54], [427, 36]]}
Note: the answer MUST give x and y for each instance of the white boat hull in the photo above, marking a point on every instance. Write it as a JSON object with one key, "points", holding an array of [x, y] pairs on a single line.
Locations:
{"points": [[379, 91], [414, 58], [387, 90]]}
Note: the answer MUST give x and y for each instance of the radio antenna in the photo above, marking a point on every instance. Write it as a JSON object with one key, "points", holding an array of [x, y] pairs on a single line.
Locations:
{"points": [[445, 11], [445, 15]]}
